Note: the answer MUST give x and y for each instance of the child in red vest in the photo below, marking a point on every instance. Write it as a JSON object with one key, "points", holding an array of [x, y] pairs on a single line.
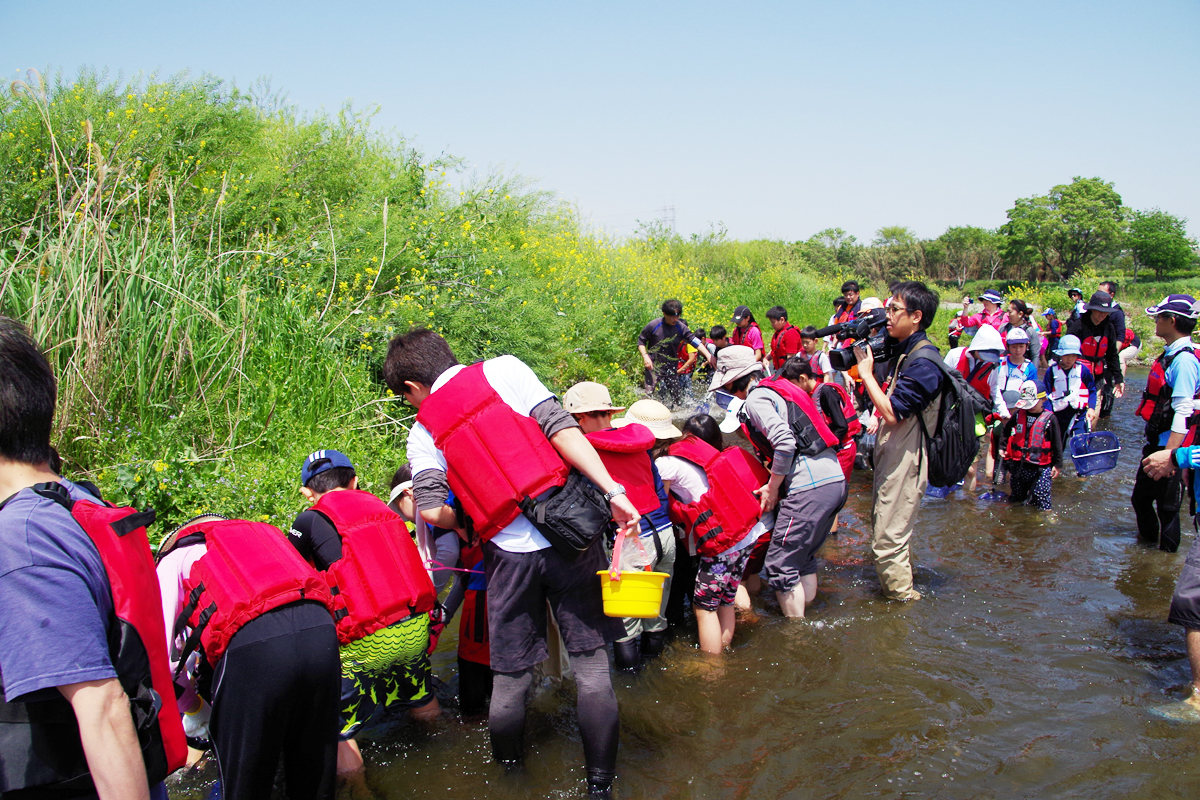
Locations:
{"points": [[252, 632], [786, 340], [710, 485], [624, 445], [1032, 447], [362, 547]]}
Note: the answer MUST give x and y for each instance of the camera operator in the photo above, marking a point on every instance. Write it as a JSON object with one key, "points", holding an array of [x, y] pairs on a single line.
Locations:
{"points": [[914, 387]]}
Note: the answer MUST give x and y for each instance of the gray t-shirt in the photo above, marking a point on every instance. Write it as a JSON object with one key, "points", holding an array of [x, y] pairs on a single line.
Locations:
{"points": [[767, 411]]}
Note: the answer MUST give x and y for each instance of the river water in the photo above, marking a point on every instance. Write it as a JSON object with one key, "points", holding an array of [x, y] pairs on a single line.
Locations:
{"points": [[1024, 672]]}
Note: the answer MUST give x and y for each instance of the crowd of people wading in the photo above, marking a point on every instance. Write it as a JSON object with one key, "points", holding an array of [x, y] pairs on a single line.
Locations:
{"points": [[535, 519]]}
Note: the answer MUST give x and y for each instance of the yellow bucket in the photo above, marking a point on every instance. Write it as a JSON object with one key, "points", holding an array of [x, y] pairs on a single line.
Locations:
{"points": [[637, 594]]}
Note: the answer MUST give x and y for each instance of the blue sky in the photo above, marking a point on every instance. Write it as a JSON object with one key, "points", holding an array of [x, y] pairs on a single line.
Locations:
{"points": [[776, 119]]}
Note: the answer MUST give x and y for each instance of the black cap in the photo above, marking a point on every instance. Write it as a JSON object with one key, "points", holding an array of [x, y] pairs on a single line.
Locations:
{"points": [[740, 313], [1101, 301]]}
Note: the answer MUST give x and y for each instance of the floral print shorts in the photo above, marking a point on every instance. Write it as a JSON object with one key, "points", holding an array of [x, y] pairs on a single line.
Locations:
{"points": [[718, 578]]}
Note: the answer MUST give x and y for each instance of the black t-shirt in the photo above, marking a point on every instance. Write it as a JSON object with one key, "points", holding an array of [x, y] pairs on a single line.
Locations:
{"points": [[315, 538], [662, 341]]}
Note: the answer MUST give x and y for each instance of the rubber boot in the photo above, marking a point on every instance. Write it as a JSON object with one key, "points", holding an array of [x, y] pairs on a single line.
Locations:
{"points": [[599, 785], [627, 655], [653, 644]]}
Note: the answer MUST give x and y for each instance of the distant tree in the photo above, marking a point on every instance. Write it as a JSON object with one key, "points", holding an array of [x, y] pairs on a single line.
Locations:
{"points": [[894, 236], [829, 249], [1159, 240], [971, 253], [1065, 229]]}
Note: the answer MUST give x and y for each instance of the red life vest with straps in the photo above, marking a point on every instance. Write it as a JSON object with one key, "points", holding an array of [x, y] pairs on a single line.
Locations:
{"points": [[739, 334], [978, 376], [814, 361], [853, 426], [249, 569], [808, 426], [39, 742], [1094, 349], [473, 640], [624, 452], [729, 509], [496, 457], [1028, 442], [380, 578], [1155, 406]]}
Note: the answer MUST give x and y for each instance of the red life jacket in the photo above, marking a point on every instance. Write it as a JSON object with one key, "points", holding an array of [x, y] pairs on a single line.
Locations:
{"points": [[624, 453], [249, 569], [1155, 407], [853, 426], [729, 509], [683, 359], [808, 426], [1128, 338], [978, 376], [39, 741], [1094, 349], [380, 578], [739, 334], [814, 361], [496, 457], [1028, 442], [777, 358], [473, 639]]}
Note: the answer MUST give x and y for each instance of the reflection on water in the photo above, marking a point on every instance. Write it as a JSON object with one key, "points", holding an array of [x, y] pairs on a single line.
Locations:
{"points": [[1022, 673]]}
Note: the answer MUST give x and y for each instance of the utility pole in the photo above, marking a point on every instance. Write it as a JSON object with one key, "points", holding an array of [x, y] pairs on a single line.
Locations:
{"points": [[667, 217]]}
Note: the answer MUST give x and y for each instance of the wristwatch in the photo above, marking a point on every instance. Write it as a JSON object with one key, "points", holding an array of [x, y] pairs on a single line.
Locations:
{"points": [[608, 496]]}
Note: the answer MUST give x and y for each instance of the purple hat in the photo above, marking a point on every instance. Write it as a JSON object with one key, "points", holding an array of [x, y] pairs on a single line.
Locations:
{"points": [[320, 461], [1181, 305]]}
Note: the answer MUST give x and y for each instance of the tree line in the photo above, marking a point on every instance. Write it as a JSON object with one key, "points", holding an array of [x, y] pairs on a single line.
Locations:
{"points": [[1047, 238]]}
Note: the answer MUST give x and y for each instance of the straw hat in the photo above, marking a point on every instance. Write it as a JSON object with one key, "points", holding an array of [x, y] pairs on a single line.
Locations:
{"points": [[588, 396], [732, 363], [654, 415]]}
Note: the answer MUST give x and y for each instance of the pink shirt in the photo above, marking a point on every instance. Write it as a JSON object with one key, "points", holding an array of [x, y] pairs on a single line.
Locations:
{"points": [[172, 571]]}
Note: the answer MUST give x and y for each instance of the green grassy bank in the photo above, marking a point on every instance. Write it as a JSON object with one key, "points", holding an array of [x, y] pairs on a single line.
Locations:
{"points": [[215, 278]]}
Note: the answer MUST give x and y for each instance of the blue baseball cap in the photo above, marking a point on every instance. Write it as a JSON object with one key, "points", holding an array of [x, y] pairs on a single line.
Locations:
{"points": [[1069, 345], [321, 460], [1049, 312]]}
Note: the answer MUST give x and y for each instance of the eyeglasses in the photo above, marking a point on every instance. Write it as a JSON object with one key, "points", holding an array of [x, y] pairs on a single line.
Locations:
{"points": [[892, 310]]}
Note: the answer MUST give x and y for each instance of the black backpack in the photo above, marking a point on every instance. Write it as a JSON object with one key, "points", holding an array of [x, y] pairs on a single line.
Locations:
{"points": [[953, 449]]}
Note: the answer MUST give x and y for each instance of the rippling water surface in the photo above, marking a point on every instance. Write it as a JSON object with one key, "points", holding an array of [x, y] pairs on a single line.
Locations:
{"points": [[1024, 672]]}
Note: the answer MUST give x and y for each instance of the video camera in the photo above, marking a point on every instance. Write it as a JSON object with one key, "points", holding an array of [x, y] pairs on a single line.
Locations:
{"points": [[867, 329]]}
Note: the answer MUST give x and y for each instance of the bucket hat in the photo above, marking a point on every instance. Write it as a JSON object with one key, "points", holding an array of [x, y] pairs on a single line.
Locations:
{"points": [[654, 415], [588, 396], [1069, 345], [732, 363], [987, 344], [992, 296], [1181, 305], [1101, 301]]}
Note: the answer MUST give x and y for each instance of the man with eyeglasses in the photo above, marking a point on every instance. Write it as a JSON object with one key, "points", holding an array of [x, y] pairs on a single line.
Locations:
{"points": [[901, 474]]}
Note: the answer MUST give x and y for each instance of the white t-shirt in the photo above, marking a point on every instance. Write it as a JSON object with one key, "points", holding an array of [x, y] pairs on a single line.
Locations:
{"points": [[689, 483], [516, 384]]}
